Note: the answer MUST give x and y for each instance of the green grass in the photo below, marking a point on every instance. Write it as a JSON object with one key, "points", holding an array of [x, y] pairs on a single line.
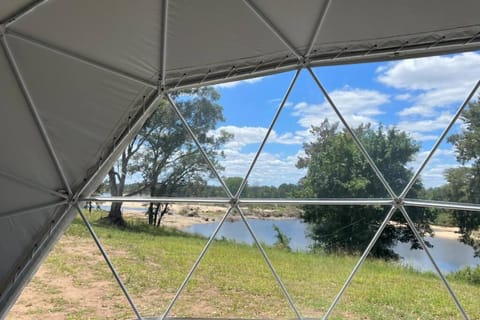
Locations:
{"points": [[234, 281]]}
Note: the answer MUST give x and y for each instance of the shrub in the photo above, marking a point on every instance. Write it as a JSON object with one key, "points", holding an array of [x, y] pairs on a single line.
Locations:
{"points": [[468, 274]]}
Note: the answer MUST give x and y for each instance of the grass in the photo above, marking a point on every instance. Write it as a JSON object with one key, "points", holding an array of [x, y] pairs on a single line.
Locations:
{"points": [[234, 281]]}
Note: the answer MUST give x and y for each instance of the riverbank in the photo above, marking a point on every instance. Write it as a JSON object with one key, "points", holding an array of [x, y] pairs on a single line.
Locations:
{"points": [[232, 281], [446, 232], [182, 216]]}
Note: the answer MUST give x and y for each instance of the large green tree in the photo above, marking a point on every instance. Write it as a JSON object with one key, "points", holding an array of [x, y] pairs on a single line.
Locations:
{"points": [[163, 153], [464, 182], [336, 168]]}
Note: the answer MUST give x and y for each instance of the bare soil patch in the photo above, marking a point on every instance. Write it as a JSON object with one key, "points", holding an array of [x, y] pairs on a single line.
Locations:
{"points": [[56, 293]]}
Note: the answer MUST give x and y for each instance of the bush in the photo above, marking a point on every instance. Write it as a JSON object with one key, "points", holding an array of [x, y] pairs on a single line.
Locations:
{"points": [[283, 241], [468, 274]]}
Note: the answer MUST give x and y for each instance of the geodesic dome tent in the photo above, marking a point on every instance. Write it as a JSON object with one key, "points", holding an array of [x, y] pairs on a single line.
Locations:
{"points": [[79, 78]]}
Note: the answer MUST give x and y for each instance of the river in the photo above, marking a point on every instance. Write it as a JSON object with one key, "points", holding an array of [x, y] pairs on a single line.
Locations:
{"points": [[450, 254]]}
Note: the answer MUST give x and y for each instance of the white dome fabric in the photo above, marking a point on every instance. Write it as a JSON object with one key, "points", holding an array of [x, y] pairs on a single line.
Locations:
{"points": [[78, 78]]}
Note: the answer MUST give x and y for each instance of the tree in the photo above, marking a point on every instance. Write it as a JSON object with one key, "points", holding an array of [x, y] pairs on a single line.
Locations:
{"points": [[336, 168], [233, 183], [117, 177], [165, 155], [287, 190], [464, 182]]}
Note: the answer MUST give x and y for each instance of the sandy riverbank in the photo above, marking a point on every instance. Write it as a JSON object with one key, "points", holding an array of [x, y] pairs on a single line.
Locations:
{"points": [[182, 216], [445, 232]]}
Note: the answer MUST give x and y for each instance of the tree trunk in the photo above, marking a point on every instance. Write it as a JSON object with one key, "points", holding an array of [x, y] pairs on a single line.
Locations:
{"points": [[115, 214], [155, 215], [164, 211], [150, 213], [116, 189]]}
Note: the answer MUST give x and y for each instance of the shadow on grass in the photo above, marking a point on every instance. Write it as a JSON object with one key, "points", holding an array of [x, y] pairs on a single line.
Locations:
{"points": [[98, 219]]}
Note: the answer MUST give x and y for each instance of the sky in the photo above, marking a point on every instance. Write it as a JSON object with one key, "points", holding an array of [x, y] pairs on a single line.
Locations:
{"points": [[419, 96]]}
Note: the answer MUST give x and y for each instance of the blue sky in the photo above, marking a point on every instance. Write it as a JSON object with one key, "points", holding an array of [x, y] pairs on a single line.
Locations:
{"points": [[418, 96]]}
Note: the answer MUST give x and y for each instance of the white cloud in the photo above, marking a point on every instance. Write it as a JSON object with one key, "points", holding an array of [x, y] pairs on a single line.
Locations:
{"points": [[420, 157], [433, 83], [267, 169], [434, 176], [403, 97], [233, 84], [243, 136], [433, 72], [425, 129], [435, 86], [356, 105], [426, 125], [431, 102], [433, 173], [422, 137], [277, 101], [271, 168]]}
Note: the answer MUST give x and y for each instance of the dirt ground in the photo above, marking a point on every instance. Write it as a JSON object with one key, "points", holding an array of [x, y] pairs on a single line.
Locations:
{"points": [[52, 291]]}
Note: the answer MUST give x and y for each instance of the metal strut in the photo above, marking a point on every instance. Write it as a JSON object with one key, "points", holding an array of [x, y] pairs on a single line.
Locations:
{"points": [[360, 262], [434, 263], [353, 135], [108, 261], [438, 142], [270, 128], [34, 111], [234, 200]]}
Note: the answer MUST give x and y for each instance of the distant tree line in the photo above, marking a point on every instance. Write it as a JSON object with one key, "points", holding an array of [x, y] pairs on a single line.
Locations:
{"points": [[204, 189]]}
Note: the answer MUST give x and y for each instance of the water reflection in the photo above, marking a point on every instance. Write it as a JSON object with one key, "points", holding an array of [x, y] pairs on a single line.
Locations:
{"points": [[450, 254]]}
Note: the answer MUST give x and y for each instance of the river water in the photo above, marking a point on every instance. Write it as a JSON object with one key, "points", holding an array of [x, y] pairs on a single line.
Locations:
{"points": [[450, 254]]}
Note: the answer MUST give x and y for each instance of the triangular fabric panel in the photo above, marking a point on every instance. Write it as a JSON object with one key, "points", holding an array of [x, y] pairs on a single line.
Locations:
{"points": [[93, 104], [29, 230], [298, 31], [240, 27], [22, 141], [114, 43]]}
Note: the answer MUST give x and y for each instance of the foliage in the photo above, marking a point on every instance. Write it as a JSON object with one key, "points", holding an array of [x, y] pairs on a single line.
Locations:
{"points": [[444, 218], [201, 189], [165, 155], [233, 183], [283, 241], [468, 274], [336, 168], [464, 182]]}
